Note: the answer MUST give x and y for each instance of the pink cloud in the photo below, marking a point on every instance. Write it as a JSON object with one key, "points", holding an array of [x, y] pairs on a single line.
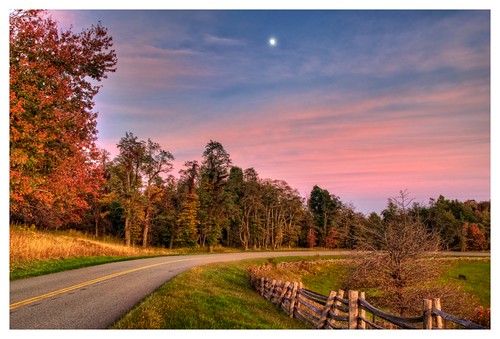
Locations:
{"points": [[359, 153], [359, 148]]}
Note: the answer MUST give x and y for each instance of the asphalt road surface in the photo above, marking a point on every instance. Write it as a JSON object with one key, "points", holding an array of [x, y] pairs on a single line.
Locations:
{"points": [[95, 297]]}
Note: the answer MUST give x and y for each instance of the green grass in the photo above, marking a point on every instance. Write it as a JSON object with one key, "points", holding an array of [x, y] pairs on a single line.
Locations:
{"points": [[477, 272], [215, 296], [35, 268], [219, 296], [477, 283], [328, 278]]}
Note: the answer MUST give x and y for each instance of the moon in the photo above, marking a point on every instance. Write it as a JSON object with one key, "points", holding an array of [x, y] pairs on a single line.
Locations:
{"points": [[273, 42]]}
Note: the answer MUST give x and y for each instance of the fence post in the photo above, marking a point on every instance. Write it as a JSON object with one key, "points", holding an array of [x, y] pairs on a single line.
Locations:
{"points": [[427, 314], [299, 287], [276, 286], [283, 292], [262, 285], [293, 297], [328, 306], [340, 294], [353, 309], [437, 306], [362, 313], [269, 293]]}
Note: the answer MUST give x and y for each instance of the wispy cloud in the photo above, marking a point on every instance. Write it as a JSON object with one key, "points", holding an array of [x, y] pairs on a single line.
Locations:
{"points": [[212, 39]]}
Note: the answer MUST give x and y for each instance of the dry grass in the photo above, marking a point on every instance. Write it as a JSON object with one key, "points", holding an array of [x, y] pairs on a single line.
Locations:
{"points": [[34, 252], [28, 244], [296, 270]]}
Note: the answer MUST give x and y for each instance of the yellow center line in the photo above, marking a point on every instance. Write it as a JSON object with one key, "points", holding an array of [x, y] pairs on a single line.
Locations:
{"points": [[87, 283]]}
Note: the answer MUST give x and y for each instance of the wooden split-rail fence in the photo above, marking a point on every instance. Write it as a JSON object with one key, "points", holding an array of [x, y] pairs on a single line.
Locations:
{"points": [[341, 310]]}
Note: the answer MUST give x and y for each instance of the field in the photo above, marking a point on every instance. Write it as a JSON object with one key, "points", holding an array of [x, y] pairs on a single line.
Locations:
{"points": [[216, 296], [220, 296]]}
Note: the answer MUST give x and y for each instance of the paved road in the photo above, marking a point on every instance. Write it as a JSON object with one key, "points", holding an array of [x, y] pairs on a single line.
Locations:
{"points": [[95, 297]]}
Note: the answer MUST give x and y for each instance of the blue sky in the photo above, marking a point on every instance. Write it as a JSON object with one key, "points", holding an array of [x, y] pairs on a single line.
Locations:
{"points": [[362, 103]]}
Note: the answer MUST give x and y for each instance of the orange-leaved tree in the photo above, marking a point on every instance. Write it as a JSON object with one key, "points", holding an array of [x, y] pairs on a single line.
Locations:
{"points": [[53, 168]]}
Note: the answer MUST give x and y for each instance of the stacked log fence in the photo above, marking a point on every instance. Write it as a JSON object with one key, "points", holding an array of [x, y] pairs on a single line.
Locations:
{"points": [[349, 310]]}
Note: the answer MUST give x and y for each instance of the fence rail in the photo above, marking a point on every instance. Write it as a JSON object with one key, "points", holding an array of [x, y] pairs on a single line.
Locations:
{"points": [[337, 312]]}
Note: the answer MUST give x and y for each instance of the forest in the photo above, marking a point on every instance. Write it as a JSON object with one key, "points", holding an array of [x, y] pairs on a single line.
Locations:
{"points": [[60, 179]]}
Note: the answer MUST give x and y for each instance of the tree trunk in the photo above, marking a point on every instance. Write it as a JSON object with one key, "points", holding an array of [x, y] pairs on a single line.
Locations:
{"points": [[127, 231], [147, 223], [96, 219], [97, 227]]}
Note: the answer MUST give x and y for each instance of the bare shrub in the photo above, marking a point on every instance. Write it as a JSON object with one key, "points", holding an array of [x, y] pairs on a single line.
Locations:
{"points": [[395, 247]]}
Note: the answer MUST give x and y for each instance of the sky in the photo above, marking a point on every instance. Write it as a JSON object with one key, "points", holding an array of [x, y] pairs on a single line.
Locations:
{"points": [[363, 103]]}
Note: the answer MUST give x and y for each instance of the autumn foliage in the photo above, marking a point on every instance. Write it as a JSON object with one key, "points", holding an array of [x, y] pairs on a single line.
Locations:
{"points": [[476, 240], [53, 172]]}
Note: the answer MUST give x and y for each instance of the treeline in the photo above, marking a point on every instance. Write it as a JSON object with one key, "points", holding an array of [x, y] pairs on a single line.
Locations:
{"points": [[60, 179], [211, 203], [215, 203]]}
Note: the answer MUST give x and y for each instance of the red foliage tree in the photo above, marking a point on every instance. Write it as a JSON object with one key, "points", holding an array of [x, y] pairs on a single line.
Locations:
{"points": [[475, 238], [312, 238], [332, 239], [53, 167]]}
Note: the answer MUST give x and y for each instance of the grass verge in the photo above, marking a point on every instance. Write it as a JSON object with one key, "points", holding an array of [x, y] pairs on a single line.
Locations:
{"points": [[215, 296], [34, 252], [27, 269]]}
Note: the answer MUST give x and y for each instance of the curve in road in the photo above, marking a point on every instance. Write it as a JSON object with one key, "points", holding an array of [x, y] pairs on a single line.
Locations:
{"points": [[95, 297]]}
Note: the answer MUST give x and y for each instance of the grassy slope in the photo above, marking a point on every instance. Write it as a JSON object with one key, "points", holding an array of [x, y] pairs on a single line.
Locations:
{"points": [[216, 296], [28, 269], [34, 252], [219, 296]]}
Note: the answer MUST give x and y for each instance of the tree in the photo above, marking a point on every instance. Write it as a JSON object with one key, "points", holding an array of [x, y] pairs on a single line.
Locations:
{"points": [[127, 179], [187, 232], [214, 172], [156, 162], [251, 204], [189, 175], [311, 239], [138, 181], [476, 240], [188, 222], [395, 247], [282, 213], [104, 196], [168, 208], [350, 224], [53, 171], [235, 190], [324, 207]]}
